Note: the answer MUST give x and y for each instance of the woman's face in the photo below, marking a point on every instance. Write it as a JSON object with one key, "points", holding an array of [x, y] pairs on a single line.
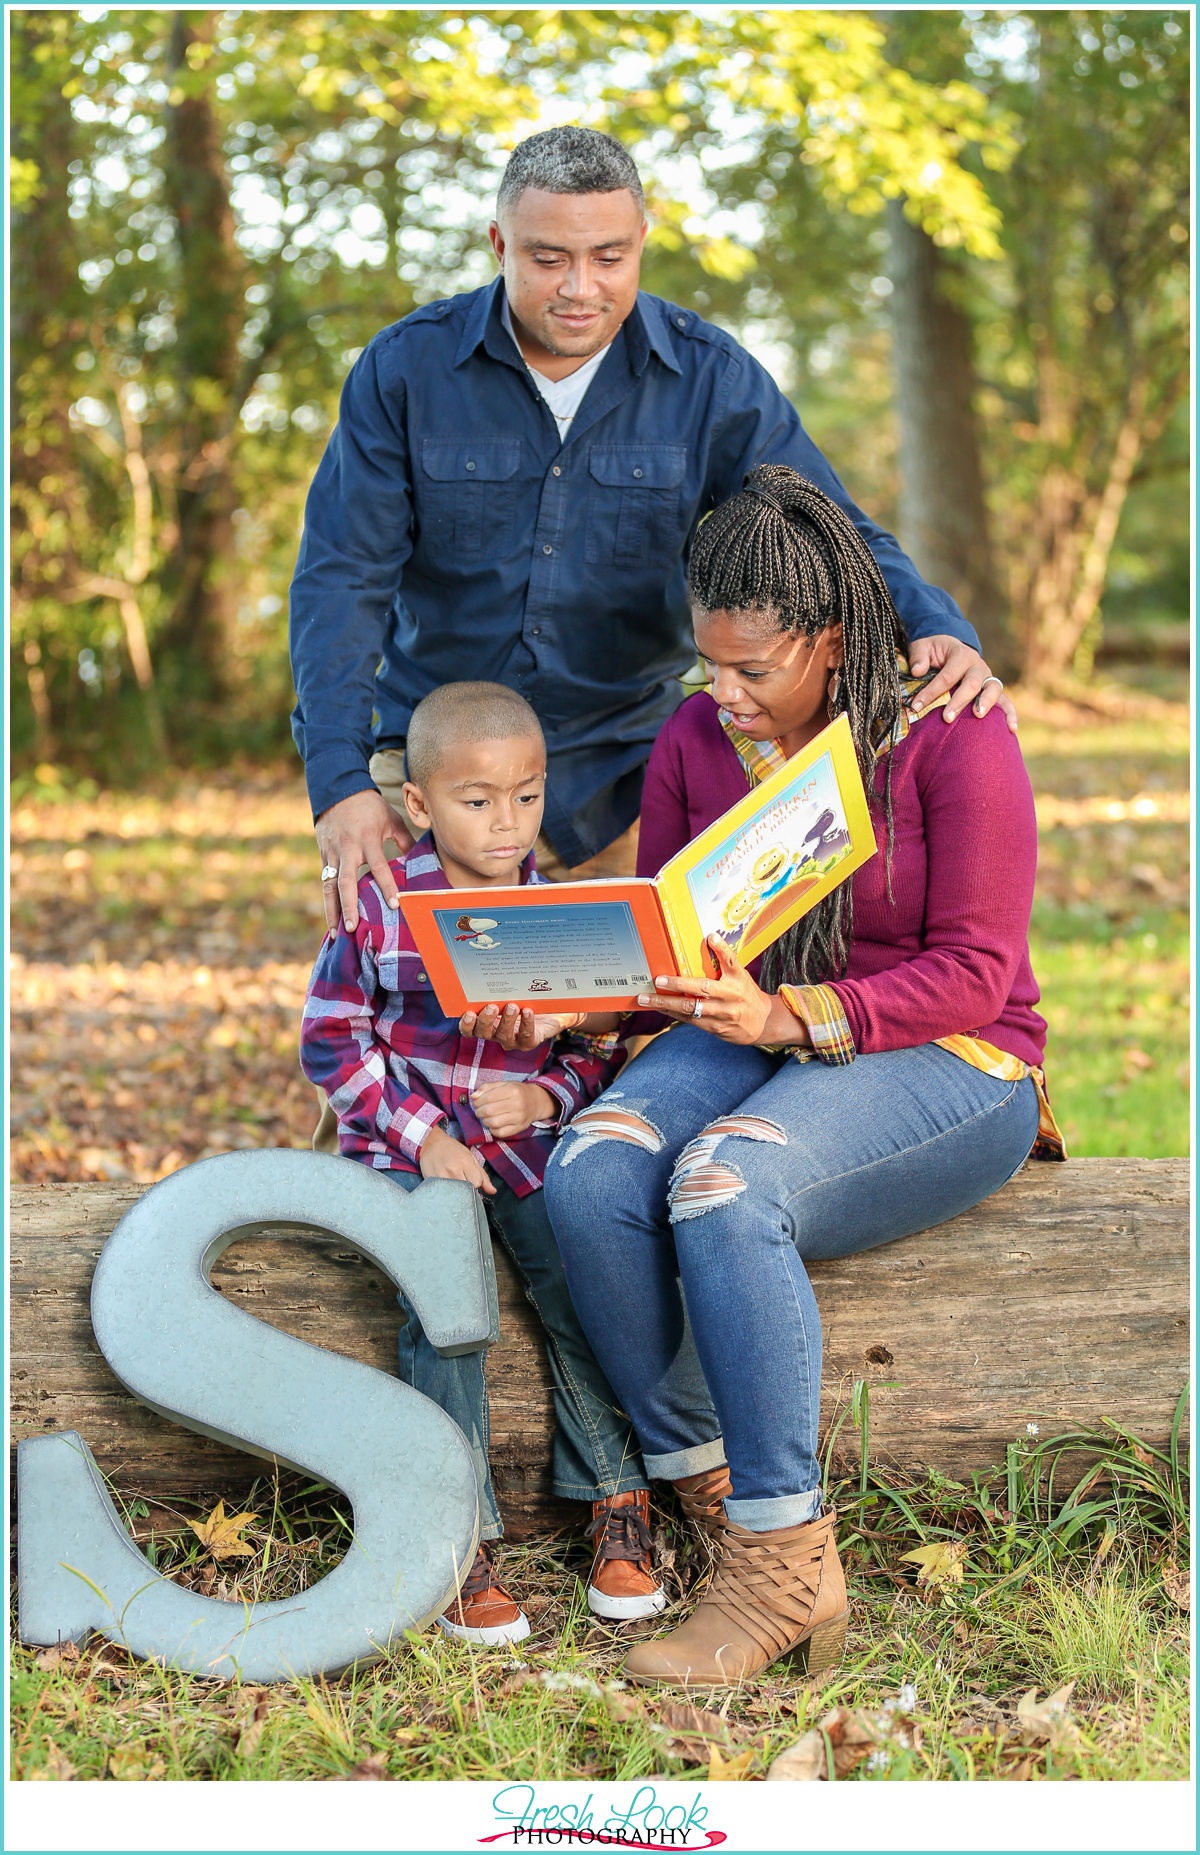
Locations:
{"points": [[774, 683]]}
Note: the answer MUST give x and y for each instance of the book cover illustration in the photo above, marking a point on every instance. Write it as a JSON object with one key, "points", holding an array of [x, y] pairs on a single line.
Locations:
{"points": [[756, 873]]}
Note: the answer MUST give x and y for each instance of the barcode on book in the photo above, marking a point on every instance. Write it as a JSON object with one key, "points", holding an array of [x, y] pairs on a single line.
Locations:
{"points": [[626, 982]]}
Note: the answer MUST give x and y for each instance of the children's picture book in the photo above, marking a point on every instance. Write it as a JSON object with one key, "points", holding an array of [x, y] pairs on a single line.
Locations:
{"points": [[593, 946]]}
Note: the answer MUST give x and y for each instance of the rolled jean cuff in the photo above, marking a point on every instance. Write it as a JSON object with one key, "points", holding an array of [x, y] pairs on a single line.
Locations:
{"points": [[629, 1481], [781, 1510], [683, 1462]]}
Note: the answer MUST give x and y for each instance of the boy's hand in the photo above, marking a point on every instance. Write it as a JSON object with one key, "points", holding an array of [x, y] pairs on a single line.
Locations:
{"points": [[444, 1158], [516, 1027], [508, 1108]]}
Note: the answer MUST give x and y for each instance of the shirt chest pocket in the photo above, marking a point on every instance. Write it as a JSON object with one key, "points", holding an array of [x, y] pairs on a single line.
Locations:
{"points": [[465, 495], [634, 501]]}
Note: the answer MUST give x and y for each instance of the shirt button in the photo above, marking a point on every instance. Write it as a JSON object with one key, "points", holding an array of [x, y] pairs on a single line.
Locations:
{"points": [[681, 322], [556, 471], [536, 630], [546, 548], [639, 473], [470, 466], [420, 978]]}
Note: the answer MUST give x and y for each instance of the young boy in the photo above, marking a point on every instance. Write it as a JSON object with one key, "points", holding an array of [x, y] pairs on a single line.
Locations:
{"points": [[417, 1098]]}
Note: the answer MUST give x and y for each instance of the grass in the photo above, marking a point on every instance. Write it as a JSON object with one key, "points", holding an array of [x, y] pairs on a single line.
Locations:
{"points": [[1063, 1579], [1110, 934]]}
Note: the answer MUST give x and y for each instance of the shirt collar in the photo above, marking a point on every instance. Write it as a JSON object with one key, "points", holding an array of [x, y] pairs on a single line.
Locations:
{"points": [[423, 867], [645, 330]]}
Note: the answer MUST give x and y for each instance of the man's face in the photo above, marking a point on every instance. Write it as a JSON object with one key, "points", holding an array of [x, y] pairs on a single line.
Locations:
{"points": [[570, 263]]}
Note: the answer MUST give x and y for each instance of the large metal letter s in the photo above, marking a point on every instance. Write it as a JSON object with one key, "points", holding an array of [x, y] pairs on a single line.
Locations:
{"points": [[186, 1352]]}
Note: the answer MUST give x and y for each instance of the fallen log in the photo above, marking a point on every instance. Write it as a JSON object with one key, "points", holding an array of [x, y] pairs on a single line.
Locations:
{"points": [[1062, 1301]]}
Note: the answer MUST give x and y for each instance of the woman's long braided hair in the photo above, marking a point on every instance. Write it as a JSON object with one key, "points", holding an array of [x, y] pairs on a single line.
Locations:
{"points": [[784, 548]]}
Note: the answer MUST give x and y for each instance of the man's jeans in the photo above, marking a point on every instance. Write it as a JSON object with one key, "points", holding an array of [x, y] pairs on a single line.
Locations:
{"points": [[595, 1452], [722, 1170]]}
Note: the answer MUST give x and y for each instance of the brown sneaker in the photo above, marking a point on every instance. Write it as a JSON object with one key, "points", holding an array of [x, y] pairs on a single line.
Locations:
{"points": [[702, 1499], [484, 1612], [774, 1594], [622, 1584]]}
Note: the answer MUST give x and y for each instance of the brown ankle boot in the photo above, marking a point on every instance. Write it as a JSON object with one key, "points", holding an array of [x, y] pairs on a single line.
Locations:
{"points": [[773, 1594], [702, 1498]]}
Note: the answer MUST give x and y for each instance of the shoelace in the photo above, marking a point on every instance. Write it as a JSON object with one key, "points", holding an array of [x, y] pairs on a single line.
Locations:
{"points": [[620, 1533], [479, 1578]]}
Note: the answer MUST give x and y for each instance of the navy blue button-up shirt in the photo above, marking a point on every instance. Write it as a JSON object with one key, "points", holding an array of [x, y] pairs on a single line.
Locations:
{"points": [[449, 534]]}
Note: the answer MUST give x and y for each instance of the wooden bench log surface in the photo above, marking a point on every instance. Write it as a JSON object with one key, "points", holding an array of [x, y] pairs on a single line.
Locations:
{"points": [[1061, 1301]]}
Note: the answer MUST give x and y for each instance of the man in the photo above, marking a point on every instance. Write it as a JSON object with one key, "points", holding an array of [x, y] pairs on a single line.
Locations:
{"points": [[510, 494]]}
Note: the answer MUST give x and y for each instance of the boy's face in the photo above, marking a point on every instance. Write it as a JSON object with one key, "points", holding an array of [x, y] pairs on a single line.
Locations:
{"points": [[484, 806]]}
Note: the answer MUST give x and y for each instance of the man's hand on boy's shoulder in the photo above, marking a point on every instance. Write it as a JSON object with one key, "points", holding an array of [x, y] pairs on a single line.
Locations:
{"points": [[349, 834], [442, 1157], [963, 672]]}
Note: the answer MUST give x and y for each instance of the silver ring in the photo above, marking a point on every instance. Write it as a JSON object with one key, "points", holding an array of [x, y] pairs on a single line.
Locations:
{"points": [[698, 1008], [329, 873], [990, 679]]}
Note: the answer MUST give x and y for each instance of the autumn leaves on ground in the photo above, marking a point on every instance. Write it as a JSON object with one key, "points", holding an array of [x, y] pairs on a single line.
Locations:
{"points": [[162, 940]]}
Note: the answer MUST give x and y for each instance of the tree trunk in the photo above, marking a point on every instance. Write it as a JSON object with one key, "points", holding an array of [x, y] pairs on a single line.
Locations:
{"points": [[46, 311], [1072, 537], [943, 509], [209, 319], [965, 1334]]}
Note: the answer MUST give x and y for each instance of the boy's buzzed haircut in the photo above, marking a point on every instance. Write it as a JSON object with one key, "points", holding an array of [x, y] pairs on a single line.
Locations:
{"points": [[467, 713]]}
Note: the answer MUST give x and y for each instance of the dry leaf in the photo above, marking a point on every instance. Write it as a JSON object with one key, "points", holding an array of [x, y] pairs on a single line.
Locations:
{"points": [[1048, 1719], [851, 1738], [621, 1706], [57, 1768], [252, 1721], [132, 1763], [730, 1770], [940, 1564], [805, 1762], [369, 1770], [690, 1730], [1175, 1584], [220, 1534], [58, 1652], [1021, 1773]]}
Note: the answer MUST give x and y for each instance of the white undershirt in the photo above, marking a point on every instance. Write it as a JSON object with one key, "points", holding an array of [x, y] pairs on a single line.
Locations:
{"points": [[564, 397]]}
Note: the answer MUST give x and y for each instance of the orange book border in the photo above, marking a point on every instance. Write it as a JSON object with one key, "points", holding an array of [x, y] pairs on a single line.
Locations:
{"points": [[419, 905]]}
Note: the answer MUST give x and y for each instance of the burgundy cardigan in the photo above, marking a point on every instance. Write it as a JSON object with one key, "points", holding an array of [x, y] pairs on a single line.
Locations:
{"points": [[949, 953]]}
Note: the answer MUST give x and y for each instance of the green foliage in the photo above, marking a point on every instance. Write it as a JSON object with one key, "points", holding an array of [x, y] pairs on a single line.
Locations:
{"points": [[214, 211]]}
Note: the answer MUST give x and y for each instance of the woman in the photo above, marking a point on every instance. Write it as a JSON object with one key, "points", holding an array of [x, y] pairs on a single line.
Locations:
{"points": [[879, 1075]]}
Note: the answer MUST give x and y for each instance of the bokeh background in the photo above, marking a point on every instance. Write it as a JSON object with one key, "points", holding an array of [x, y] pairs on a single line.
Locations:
{"points": [[960, 241]]}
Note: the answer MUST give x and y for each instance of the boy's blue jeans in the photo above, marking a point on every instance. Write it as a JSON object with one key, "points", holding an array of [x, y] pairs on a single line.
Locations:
{"points": [[595, 1451], [736, 1168]]}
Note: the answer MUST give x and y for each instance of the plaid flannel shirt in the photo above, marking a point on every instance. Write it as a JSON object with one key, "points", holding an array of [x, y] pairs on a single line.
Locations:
{"points": [[394, 1066]]}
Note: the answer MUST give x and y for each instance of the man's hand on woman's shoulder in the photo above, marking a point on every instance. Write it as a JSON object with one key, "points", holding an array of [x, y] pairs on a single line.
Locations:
{"points": [[963, 672]]}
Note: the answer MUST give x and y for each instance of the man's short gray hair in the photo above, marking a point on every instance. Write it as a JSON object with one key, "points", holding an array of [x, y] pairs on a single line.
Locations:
{"points": [[569, 160]]}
